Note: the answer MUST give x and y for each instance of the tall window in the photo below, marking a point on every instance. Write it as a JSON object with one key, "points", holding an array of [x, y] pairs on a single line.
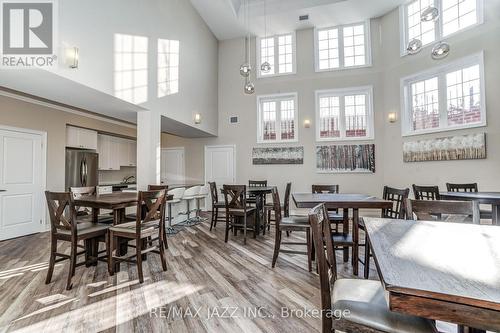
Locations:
{"points": [[277, 118], [343, 47], [344, 114], [131, 68], [168, 67], [444, 98], [279, 52], [455, 15]]}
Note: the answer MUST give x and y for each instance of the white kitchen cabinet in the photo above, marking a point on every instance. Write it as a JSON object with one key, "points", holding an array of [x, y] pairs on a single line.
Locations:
{"points": [[77, 137], [109, 152], [132, 153], [128, 151]]}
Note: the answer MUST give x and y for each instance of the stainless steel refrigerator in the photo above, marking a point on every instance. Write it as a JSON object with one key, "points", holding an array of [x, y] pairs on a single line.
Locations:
{"points": [[81, 168]]}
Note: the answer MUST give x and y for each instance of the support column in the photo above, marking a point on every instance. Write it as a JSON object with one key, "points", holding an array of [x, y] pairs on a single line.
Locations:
{"points": [[148, 148]]}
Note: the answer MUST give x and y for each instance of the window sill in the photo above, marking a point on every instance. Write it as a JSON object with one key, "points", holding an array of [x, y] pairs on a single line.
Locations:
{"points": [[278, 142], [317, 70], [345, 139], [260, 76], [447, 129]]}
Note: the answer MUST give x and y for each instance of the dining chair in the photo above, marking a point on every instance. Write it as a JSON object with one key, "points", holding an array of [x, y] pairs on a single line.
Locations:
{"points": [[85, 213], [150, 211], [397, 211], [237, 211], [334, 215], [251, 199], [216, 205], [472, 187], [269, 207], [64, 227], [354, 305], [290, 223], [443, 210], [159, 188], [426, 192]]}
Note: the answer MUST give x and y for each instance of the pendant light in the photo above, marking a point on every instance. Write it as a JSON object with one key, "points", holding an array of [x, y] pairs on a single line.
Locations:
{"points": [[246, 68], [249, 87], [429, 14], [440, 51], [414, 46], [266, 66]]}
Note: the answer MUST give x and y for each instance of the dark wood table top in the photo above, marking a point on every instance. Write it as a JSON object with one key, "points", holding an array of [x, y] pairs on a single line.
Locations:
{"points": [[341, 200], [173, 186], [260, 189], [483, 197], [450, 270]]}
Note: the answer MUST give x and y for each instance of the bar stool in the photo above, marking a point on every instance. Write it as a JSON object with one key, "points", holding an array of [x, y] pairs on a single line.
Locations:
{"points": [[177, 194], [188, 196], [202, 195]]}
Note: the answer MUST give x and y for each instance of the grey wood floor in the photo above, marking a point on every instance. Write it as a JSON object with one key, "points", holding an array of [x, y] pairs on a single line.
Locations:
{"points": [[210, 286]]}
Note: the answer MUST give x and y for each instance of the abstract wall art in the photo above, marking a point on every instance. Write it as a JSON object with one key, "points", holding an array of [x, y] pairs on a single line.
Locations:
{"points": [[345, 158], [462, 147], [278, 155]]}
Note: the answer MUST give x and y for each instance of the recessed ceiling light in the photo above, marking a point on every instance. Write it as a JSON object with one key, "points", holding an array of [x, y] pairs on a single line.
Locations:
{"points": [[414, 46]]}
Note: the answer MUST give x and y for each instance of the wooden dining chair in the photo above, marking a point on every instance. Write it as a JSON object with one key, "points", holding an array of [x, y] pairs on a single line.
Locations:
{"points": [[216, 205], [164, 215], [354, 305], [251, 199], [285, 206], [290, 223], [335, 216], [238, 212], [426, 192], [64, 227], [397, 211], [146, 226], [471, 187], [443, 210]]}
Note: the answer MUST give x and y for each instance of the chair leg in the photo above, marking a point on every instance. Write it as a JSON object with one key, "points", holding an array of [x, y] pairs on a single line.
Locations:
{"points": [[309, 250], [245, 229], [212, 219], [287, 233], [52, 260], [162, 254], [110, 248], [227, 229], [72, 266], [138, 253], [277, 243], [367, 258]]}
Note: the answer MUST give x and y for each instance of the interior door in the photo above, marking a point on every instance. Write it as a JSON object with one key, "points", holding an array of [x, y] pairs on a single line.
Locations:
{"points": [[220, 166], [22, 200], [172, 166]]}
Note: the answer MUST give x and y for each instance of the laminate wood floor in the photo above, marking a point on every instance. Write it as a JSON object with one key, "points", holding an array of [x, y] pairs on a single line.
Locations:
{"points": [[210, 286]]}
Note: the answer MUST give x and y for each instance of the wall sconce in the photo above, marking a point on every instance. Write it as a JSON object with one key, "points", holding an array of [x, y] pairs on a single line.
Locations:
{"points": [[72, 55], [392, 117], [197, 118], [307, 123]]}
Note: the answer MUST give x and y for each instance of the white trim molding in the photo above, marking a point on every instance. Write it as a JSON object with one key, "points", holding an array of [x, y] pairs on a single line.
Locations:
{"points": [[258, 61], [277, 98]]}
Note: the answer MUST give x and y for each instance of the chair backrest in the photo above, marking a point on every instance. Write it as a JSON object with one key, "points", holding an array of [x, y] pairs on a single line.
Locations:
{"points": [[276, 208], [443, 210], [203, 190], [286, 201], [257, 183], [325, 256], [150, 203], [62, 211], [78, 192], [332, 189], [399, 197], [472, 187], [192, 191], [235, 196], [426, 192], [213, 192], [177, 193]]}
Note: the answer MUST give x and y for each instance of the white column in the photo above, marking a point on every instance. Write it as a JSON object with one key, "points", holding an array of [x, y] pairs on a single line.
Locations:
{"points": [[148, 148]]}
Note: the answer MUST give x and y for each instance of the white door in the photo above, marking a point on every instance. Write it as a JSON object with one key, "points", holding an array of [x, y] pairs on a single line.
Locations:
{"points": [[220, 166], [172, 166], [21, 179]]}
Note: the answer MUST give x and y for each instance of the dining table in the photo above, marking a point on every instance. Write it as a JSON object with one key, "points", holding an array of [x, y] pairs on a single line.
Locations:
{"points": [[259, 192], [485, 198], [439, 270], [344, 201]]}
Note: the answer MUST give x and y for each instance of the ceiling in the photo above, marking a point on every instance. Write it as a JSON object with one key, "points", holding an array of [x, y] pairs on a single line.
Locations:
{"points": [[226, 17]]}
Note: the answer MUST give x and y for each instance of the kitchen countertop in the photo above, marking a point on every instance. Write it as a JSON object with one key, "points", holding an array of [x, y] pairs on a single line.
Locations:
{"points": [[115, 184]]}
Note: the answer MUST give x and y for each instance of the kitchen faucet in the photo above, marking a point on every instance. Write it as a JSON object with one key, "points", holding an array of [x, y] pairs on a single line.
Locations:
{"points": [[127, 179]]}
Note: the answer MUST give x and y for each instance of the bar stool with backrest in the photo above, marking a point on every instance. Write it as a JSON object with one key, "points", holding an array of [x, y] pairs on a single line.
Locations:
{"points": [[238, 212], [354, 305], [216, 205], [426, 192], [443, 210], [159, 188], [202, 195], [270, 207], [64, 227], [471, 187], [333, 214], [189, 196], [176, 194], [255, 183], [290, 223], [397, 211], [150, 210]]}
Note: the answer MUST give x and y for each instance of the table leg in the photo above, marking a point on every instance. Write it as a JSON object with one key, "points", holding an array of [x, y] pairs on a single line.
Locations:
{"points": [[495, 212], [345, 231], [88, 252], [118, 218], [95, 215], [258, 208], [355, 236]]}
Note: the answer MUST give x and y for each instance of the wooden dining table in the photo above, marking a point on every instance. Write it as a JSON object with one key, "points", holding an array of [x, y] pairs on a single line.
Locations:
{"points": [[439, 270], [485, 198], [260, 193], [355, 202]]}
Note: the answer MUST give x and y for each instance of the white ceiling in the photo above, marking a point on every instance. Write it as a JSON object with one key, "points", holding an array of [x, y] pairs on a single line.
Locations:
{"points": [[226, 17]]}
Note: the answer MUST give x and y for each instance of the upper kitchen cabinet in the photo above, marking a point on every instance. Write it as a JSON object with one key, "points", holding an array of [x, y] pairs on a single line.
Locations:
{"points": [[109, 152], [128, 152], [77, 137]]}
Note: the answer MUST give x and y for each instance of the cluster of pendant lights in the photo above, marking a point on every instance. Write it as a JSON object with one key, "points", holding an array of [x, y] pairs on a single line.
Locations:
{"points": [[246, 68], [441, 49]]}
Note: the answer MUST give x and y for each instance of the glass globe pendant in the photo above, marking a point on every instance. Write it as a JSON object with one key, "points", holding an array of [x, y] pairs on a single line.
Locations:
{"points": [[265, 67], [440, 51], [245, 69], [414, 46], [249, 87], [429, 14]]}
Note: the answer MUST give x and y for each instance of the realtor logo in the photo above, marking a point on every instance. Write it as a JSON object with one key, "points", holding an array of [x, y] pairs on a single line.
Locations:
{"points": [[28, 33]]}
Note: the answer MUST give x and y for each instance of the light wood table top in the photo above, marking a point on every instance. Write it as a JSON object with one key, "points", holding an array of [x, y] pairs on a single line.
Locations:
{"points": [[439, 270]]}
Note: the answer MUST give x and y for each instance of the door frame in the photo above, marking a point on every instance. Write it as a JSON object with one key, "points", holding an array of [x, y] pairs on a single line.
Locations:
{"points": [[218, 146], [43, 134], [183, 159]]}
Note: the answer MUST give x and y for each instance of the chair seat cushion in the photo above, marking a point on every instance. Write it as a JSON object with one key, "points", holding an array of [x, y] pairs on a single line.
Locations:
{"points": [[147, 228], [365, 299], [303, 221], [85, 228]]}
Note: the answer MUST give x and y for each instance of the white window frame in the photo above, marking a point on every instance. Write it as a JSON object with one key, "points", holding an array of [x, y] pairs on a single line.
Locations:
{"points": [[170, 66], [370, 114], [368, 47], [276, 55], [440, 72], [403, 25], [277, 98]]}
